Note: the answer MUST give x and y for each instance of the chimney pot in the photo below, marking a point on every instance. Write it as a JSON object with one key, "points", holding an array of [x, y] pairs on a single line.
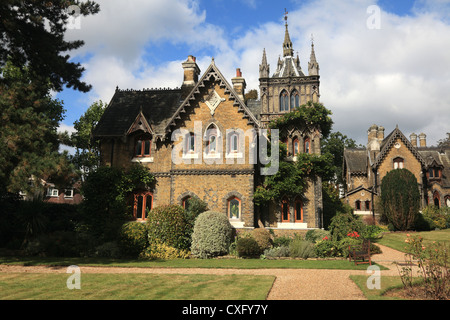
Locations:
{"points": [[239, 84], [413, 138], [423, 139]]}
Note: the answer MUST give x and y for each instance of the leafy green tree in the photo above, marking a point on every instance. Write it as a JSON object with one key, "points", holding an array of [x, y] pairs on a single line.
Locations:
{"points": [[28, 132], [291, 177], [335, 144], [87, 154], [106, 191], [34, 61], [400, 198], [32, 36]]}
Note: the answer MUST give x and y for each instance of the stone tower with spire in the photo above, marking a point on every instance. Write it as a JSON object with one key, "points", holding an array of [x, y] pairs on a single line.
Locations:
{"points": [[288, 87]]}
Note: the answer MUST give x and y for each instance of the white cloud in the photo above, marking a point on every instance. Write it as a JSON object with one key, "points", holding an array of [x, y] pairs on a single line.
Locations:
{"points": [[398, 74]]}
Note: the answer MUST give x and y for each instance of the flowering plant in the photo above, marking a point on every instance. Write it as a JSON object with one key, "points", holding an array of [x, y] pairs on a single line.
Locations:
{"points": [[353, 234]]}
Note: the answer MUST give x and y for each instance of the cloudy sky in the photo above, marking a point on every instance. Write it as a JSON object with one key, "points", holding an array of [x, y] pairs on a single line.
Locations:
{"points": [[381, 62]]}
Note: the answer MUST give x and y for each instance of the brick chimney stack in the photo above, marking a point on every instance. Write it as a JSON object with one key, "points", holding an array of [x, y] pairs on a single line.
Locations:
{"points": [[191, 73], [423, 139], [373, 142], [239, 84], [413, 138]]}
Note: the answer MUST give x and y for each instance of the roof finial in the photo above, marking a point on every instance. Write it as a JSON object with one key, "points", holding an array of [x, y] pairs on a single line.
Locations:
{"points": [[285, 15]]}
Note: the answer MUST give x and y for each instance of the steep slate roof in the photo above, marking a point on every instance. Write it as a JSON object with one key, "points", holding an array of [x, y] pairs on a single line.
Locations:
{"points": [[156, 105], [356, 160], [160, 107], [212, 72], [435, 156], [388, 143]]}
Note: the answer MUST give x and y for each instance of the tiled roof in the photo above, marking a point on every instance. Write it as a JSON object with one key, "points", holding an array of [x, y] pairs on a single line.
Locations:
{"points": [[156, 105], [356, 160]]}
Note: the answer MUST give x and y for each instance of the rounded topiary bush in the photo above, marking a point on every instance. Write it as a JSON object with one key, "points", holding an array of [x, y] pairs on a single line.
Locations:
{"points": [[133, 238], [212, 235], [247, 247], [166, 224], [263, 238]]}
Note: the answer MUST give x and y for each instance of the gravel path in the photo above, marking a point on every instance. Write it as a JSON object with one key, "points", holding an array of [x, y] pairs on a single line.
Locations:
{"points": [[290, 284]]}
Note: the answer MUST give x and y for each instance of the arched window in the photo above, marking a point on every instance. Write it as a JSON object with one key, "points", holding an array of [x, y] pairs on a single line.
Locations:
{"points": [[143, 203], [295, 146], [185, 202], [298, 210], [211, 139], [285, 216], [436, 199], [234, 208], [190, 142], [447, 201], [295, 99], [143, 146], [398, 163], [284, 101], [233, 142], [307, 147], [358, 205], [367, 205]]}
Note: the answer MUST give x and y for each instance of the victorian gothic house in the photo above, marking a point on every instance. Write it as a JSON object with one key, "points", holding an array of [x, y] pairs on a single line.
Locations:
{"points": [[364, 168], [195, 140]]}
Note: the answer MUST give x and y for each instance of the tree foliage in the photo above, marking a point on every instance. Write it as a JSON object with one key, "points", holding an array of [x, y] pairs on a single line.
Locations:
{"points": [[400, 198], [34, 61], [87, 154], [291, 178], [334, 145], [105, 194], [32, 36], [28, 132]]}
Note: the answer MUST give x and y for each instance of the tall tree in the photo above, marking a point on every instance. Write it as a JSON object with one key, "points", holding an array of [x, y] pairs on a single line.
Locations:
{"points": [[28, 132], [334, 145], [32, 36], [87, 155], [34, 61]]}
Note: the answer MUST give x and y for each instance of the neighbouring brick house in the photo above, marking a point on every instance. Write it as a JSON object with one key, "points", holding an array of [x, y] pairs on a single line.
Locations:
{"points": [[364, 168], [195, 140]]}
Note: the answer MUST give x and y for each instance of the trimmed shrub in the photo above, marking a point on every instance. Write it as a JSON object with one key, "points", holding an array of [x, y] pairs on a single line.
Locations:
{"points": [[263, 238], [166, 224], [344, 223], [212, 235], [277, 252], [161, 251], [400, 198], [133, 238], [247, 247], [282, 241], [436, 218], [301, 249]]}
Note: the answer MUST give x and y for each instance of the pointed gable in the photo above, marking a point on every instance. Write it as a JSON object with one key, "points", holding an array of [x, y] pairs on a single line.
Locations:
{"points": [[212, 74], [389, 142]]}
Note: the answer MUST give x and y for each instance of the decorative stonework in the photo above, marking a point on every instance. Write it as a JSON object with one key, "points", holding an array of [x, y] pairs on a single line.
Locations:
{"points": [[213, 100]]}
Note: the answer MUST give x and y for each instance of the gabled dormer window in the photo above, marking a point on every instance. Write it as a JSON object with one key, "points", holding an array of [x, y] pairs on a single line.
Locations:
{"points": [[143, 147], [434, 173]]}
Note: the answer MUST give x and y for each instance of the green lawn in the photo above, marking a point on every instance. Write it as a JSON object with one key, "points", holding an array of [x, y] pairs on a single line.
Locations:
{"points": [[38, 286], [396, 240], [386, 283], [188, 263]]}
